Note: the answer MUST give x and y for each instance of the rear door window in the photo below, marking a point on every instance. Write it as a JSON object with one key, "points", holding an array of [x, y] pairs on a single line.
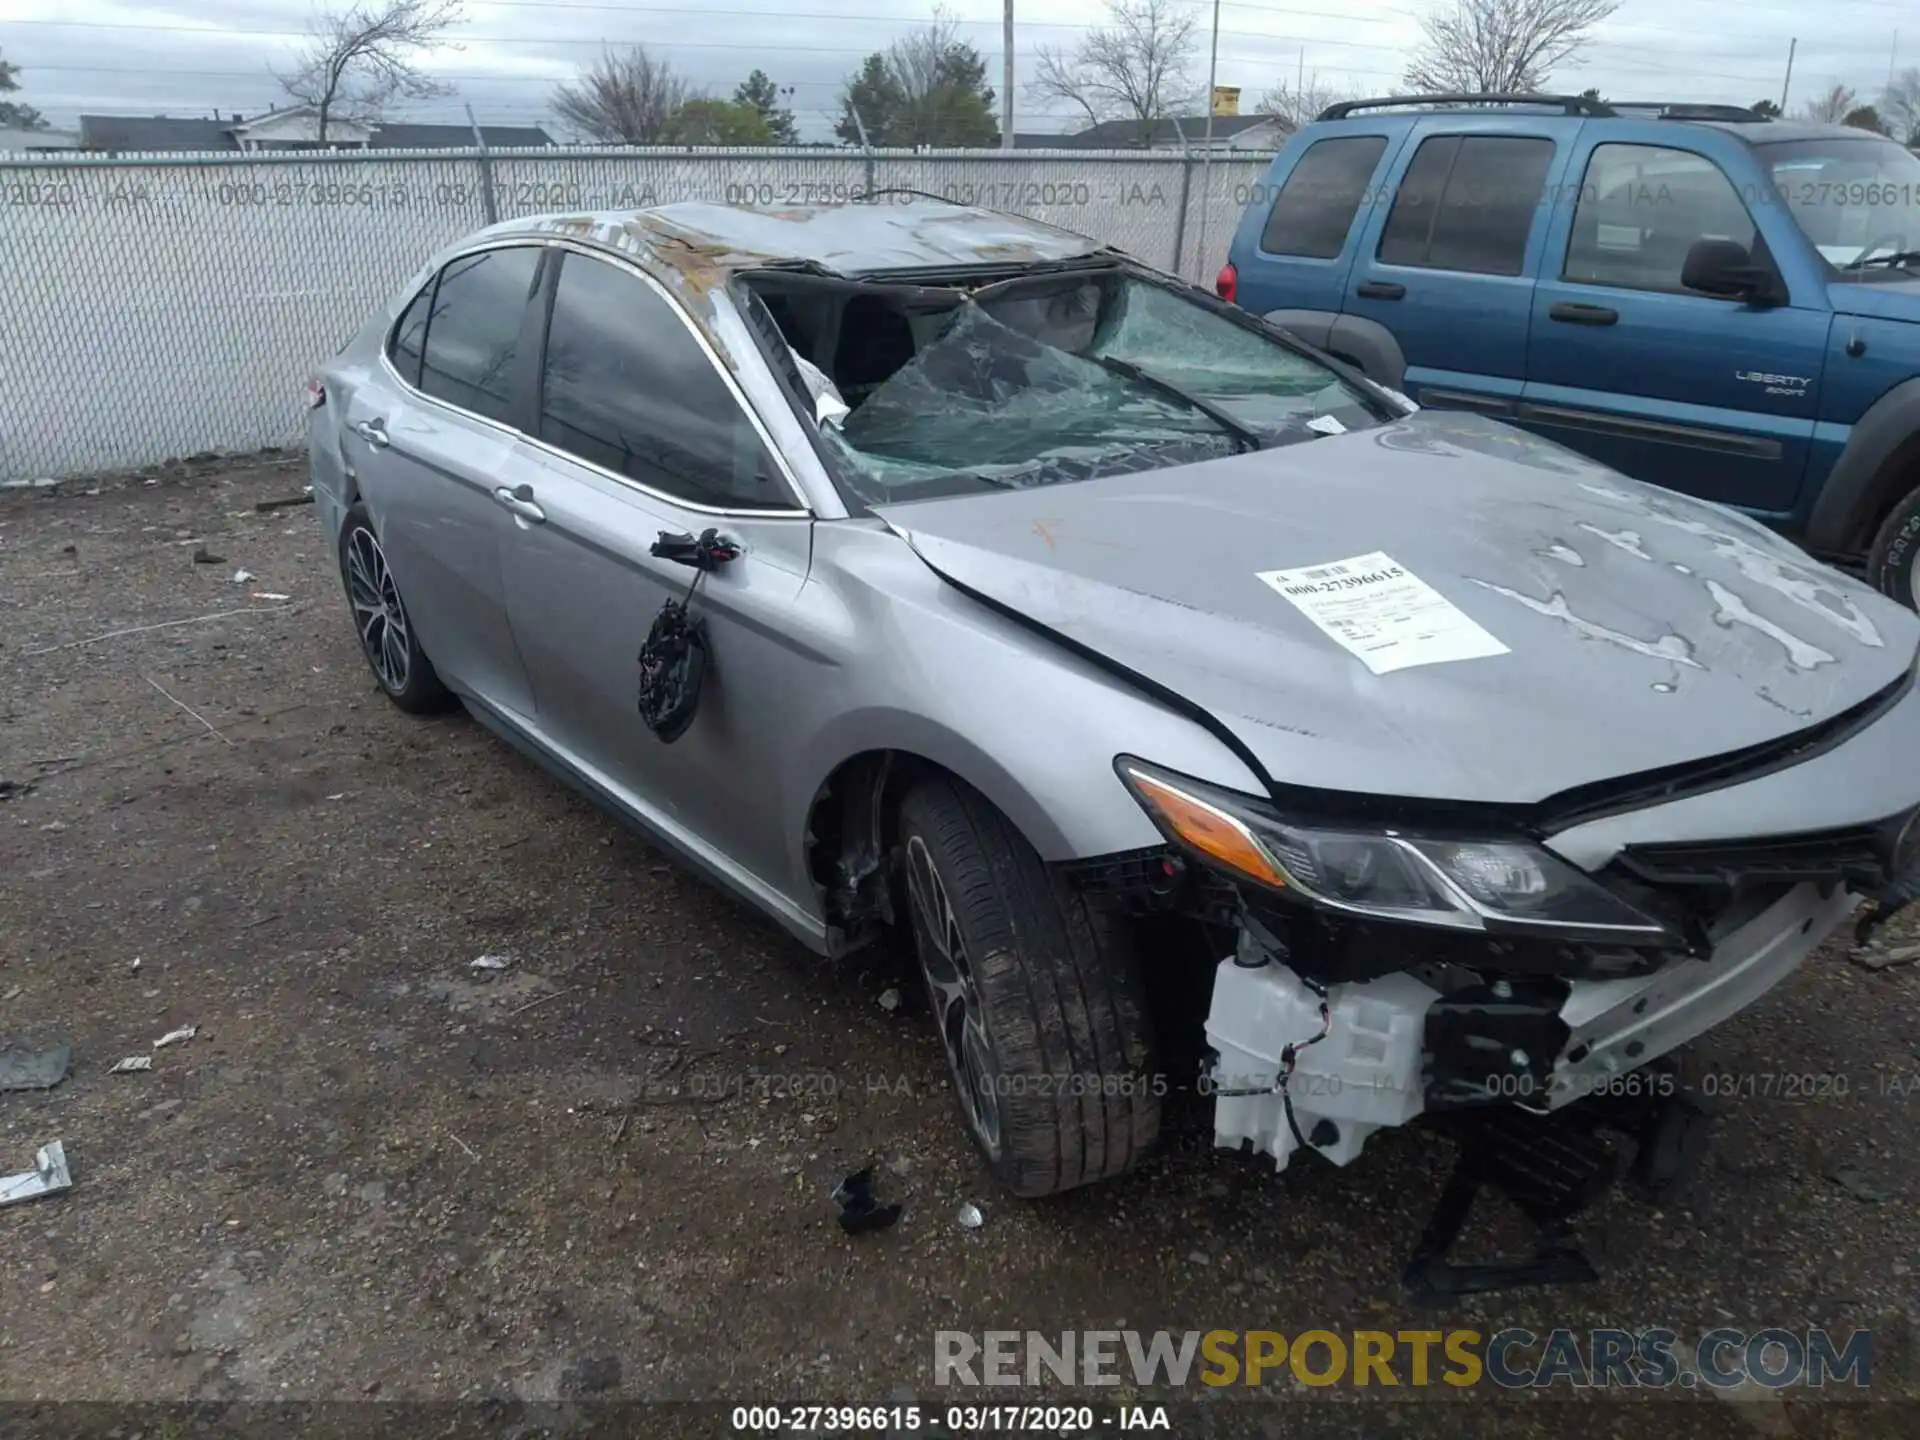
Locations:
{"points": [[473, 336], [1316, 205], [627, 387], [1467, 202]]}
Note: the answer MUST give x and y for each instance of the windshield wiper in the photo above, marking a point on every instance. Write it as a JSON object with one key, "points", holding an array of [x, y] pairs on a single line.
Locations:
{"points": [[1244, 433], [1900, 259]]}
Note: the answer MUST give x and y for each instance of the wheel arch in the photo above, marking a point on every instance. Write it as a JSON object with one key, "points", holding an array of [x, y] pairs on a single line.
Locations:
{"points": [[851, 826], [1879, 467]]}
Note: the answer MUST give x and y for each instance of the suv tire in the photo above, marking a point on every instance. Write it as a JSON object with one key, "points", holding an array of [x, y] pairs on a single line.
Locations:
{"points": [[1893, 564], [1036, 992]]}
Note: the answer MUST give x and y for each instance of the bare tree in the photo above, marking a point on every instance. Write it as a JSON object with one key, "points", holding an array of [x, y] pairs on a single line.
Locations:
{"points": [[1138, 66], [927, 88], [1832, 107], [626, 97], [1302, 101], [1501, 47], [360, 59], [1900, 106]]}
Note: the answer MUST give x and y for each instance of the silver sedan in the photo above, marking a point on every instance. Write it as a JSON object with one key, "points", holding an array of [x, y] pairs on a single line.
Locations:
{"points": [[910, 567]]}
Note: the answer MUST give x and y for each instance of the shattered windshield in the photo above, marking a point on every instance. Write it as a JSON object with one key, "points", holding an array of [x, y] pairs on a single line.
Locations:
{"points": [[1042, 380]]}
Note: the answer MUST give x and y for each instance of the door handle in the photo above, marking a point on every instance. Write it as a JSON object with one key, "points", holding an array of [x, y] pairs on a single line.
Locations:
{"points": [[1570, 312], [1381, 290], [520, 501], [374, 432]]}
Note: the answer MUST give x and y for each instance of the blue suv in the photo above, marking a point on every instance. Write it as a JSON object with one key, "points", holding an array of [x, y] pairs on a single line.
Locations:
{"points": [[1705, 299]]}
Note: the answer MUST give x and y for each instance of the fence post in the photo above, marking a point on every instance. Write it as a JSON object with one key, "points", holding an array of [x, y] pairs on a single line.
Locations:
{"points": [[488, 208], [1180, 220]]}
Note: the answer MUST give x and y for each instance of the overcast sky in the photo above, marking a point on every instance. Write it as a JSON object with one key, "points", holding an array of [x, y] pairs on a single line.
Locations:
{"points": [[180, 58]]}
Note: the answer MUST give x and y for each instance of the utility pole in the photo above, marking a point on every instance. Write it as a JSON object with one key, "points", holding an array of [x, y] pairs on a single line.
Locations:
{"points": [[1785, 85], [1206, 160], [1006, 79]]}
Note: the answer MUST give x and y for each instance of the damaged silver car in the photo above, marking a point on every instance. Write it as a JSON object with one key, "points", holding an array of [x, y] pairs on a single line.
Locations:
{"points": [[906, 566]]}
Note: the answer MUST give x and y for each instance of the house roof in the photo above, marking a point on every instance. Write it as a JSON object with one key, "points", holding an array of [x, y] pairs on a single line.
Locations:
{"points": [[154, 132], [1127, 134], [457, 137], [161, 132], [12, 139]]}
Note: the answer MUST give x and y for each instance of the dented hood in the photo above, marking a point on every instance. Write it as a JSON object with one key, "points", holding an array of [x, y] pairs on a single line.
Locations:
{"points": [[1585, 627]]}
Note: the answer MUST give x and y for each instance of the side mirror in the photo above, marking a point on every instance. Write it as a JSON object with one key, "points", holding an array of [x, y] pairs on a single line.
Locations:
{"points": [[1726, 267]]}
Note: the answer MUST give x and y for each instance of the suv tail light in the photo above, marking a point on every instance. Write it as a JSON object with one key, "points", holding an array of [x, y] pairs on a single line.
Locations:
{"points": [[1227, 283], [316, 394]]}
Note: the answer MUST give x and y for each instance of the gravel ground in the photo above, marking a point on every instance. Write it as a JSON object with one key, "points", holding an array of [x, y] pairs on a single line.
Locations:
{"points": [[377, 1171]]}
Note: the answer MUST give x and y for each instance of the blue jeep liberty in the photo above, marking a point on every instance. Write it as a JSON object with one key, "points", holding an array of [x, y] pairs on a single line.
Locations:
{"points": [[1700, 297]]}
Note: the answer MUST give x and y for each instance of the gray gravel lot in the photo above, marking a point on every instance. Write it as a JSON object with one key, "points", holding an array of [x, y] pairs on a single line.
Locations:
{"points": [[379, 1172]]}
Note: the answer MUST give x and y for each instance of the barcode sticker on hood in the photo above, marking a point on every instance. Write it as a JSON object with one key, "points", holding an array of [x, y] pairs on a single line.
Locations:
{"points": [[1383, 614]]}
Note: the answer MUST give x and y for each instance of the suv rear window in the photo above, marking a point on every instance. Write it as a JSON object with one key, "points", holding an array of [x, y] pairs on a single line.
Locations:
{"points": [[1467, 202], [1315, 207]]}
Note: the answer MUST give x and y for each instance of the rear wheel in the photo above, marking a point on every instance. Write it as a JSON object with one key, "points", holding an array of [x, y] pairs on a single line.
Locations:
{"points": [[1893, 564], [380, 617], [1036, 994]]}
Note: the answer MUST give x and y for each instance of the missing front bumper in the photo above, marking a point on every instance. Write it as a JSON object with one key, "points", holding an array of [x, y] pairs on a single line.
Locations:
{"points": [[1298, 1064]]}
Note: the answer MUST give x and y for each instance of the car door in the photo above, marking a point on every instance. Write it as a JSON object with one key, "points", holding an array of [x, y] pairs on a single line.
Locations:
{"points": [[1711, 395], [431, 443], [1297, 253], [1448, 266], [640, 432]]}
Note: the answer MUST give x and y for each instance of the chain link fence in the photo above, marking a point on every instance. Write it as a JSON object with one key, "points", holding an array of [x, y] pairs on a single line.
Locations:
{"points": [[174, 305]]}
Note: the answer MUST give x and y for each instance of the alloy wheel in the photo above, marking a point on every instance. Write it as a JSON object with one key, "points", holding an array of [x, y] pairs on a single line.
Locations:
{"points": [[955, 994], [377, 611]]}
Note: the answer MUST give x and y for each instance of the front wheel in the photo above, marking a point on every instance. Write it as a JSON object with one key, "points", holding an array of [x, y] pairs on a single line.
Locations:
{"points": [[1893, 564], [1036, 994]]}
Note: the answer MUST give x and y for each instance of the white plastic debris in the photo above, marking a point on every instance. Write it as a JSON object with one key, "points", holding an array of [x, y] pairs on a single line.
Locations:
{"points": [[490, 962], [890, 999], [48, 1176], [174, 1037], [131, 1064], [241, 577], [1326, 425], [270, 595], [970, 1216]]}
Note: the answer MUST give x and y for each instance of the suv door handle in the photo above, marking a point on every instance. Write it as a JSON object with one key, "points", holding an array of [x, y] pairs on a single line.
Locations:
{"points": [[1573, 313], [1381, 290], [374, 432], [520, 501]]}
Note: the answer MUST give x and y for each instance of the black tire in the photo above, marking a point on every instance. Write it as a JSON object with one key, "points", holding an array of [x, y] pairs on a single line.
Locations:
{"points": [[387, 643], [1067, 1060], [1894, 560]]}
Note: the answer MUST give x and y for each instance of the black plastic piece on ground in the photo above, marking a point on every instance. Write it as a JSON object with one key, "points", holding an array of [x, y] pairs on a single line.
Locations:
{"points": [[1551, 1167], [859, 1211], [1672, 1142]]}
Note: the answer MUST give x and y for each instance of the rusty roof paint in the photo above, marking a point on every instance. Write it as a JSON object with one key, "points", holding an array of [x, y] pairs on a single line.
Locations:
{"points": [[704, 242]]}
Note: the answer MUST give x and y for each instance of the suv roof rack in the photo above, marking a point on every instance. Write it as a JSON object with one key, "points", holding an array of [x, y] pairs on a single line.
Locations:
{"points": [[1692, 110], [1566, 104]]}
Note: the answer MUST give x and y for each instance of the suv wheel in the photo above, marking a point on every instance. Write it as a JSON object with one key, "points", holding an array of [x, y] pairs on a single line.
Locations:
{"points": [[1893, 565], [380, 619], [1036, 994]]}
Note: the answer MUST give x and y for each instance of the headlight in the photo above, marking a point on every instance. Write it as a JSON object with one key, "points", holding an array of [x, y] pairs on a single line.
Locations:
{"points": [[1490, 884]]}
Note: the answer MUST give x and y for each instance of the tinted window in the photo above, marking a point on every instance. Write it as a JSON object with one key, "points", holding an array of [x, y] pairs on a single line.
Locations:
{"points": [[1642, 208], [1316, 205], [403, 349], [475, 330], [627, 387], [1468, 203]]}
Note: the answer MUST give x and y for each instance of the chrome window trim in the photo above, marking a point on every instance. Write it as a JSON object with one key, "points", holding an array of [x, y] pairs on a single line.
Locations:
{"points": [[794, 489]]}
